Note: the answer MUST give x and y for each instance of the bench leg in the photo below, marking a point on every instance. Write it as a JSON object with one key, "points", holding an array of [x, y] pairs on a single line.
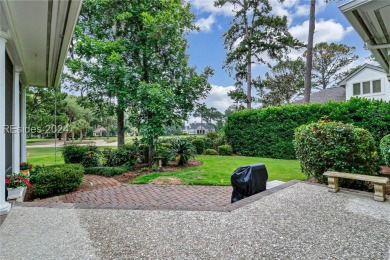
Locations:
{"points": [[379, 192], [333, 184]]}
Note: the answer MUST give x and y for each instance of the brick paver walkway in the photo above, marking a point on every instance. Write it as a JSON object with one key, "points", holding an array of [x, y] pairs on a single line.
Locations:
{"points": [[93, 182], [101, 192], [148, 196]]}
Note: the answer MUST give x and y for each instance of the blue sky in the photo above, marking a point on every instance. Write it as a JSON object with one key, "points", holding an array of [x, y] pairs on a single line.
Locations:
{"points": [[206, 47]]}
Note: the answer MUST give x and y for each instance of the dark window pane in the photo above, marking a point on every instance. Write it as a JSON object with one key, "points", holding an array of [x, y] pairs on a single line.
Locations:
{"points": [[356, 89], [366, 87], [376, 86]]}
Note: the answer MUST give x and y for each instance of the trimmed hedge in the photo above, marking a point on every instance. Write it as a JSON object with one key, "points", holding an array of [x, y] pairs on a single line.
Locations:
{"points": [[225, 150], [335, 146], [211, 140], [105, 171], [269, 132], [199, 145], [210, 152], [385, 149], [56, 179]]}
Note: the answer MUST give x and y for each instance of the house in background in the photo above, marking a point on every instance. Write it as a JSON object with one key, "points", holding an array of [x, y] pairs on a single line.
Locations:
{"points": [[34, 40], [198, 128], [101, 131], [371, 20], [325, 95], [368, 81]]}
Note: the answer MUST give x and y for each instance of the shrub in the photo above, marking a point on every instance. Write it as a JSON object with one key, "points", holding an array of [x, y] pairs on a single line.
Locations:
{"points": [[212, 135], [125, 155], [164, 150], [73, 153], [91, 158], [199, 145], [220, 140], [385, 149], [182, 151], [210, 152], [56, 179], [77, 154], [105, 171], [269, 132], [335, 146], [225, 150]]}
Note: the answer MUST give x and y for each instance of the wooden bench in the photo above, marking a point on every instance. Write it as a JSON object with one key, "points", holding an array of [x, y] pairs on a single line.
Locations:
{"points": [[379, 182]]}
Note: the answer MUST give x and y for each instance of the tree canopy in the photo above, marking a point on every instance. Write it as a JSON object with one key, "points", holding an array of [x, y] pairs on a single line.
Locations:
{"points": [[285, 83], [126, 50], [329, 60]]}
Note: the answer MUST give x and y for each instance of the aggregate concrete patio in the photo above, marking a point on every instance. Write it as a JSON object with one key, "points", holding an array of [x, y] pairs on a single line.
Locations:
{"points": [[302, 221]]}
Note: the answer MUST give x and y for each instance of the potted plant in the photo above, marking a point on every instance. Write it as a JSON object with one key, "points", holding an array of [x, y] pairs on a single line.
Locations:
{"points": [[25, 168], [16, 184]]}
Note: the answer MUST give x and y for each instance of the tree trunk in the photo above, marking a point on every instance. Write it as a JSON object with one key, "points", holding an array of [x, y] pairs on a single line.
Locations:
{"points": [[121, 126], [309, 56], [81, 135], [72, 135], [65, 136], [249, 82], [151, 154]]}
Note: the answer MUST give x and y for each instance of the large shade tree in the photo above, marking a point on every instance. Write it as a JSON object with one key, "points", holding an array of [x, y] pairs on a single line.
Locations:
{"points": [[131, 52], [254, 33]]}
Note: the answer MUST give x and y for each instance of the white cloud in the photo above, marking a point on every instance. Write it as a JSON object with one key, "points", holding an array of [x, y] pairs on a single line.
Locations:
{"points": [[304, 9], [208, 7], [205, 24], [218, 97], [325, 31]]}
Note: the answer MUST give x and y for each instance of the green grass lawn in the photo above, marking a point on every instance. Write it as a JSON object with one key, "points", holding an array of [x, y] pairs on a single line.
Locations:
{"points": [[44, 156], [216, 170]]}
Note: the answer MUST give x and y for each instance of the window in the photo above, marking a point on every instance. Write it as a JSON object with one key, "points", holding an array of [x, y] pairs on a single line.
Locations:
{"points": [[366, 87], [376, 86], [356, 89]]}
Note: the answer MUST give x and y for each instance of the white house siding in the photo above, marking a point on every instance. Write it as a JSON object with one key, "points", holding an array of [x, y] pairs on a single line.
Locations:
{"points": [[370, 75]]}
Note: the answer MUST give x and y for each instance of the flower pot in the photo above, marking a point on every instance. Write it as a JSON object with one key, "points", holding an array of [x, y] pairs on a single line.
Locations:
{"points": [[15, 193], [25, 172]]}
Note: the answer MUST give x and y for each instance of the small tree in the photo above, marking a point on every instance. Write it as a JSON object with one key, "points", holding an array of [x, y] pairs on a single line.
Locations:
{"points": [[154, 109], [286, 82]]}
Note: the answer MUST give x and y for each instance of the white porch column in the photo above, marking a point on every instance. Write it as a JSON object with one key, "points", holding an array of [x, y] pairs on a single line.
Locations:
{"points": [[16, 122], [23, 123], [4, 206]]}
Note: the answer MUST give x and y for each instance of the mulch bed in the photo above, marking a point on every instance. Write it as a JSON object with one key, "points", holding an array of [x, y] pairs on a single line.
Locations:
{"points": [[131, 175]]}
